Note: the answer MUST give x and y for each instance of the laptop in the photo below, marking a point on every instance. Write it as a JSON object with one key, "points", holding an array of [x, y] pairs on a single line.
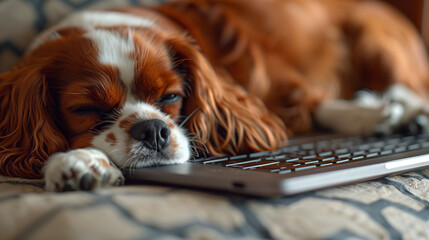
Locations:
{"points": [[306, 164]]}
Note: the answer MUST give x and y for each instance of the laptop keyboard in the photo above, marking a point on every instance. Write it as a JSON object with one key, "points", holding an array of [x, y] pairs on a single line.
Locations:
{"points": [[322, 153]]}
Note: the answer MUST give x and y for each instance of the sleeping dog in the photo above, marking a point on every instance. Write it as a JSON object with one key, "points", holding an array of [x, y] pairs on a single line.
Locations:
{"points": [[135, 87]]}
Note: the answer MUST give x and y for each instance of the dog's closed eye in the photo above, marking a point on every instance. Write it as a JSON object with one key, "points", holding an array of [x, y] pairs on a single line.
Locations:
{"points": [[169, 99], [88, 110]]}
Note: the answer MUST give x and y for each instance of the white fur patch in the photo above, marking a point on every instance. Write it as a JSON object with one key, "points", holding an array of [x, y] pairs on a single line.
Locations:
{"points": [[115, 50]]}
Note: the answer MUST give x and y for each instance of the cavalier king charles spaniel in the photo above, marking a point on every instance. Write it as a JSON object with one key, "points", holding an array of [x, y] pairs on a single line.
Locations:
{"points": [[136, 87]]}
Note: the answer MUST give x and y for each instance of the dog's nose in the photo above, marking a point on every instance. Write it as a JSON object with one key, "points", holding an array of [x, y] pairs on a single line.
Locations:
{"points": [[153, 133]]}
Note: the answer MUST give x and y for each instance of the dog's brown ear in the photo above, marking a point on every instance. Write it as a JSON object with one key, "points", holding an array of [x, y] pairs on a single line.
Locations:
{"points": [[28, 133], [224, 117]]}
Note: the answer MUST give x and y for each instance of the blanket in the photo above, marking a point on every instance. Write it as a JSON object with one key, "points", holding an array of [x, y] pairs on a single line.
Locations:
{"points": [[395, 207]]}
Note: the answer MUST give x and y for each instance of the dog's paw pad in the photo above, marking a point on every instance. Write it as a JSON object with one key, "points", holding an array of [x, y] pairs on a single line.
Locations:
{"points": [[87, 182]]}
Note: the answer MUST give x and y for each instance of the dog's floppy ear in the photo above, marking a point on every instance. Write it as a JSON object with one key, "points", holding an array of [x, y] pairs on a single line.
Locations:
{"points": [[28, 133], [223, 116]]}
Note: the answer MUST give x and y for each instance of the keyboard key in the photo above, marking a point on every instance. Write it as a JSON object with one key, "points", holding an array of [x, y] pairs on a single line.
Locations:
{"points": [[389, 147], [358, 153], [285, 171], [328, 159], [341, 151], [386, 152], [342, 161], [364, 147], [378, 144], [305, 168], [325, 154], [309, 157], [344, 155], [242, 156], [258, 164], [282, 156], [375, 150], [293, 160], [372, 155], [394, 141], [311, 162], [408, 139], [308, 146], [414, 147], [226, 161], [303, 153], [259, 154], [216, 160], [242, 162], [400, 149], [290, 149]]}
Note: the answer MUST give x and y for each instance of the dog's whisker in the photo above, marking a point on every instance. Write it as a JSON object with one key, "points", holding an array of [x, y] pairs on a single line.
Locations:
{"points": [[128, 161], [200, 145], [188, 117], [118, 147]]}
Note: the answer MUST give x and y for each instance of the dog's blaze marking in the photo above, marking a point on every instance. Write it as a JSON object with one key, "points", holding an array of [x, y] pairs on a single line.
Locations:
{"points": [[110, 138]]}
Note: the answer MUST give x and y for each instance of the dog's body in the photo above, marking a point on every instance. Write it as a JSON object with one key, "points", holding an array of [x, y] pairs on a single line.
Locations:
{"points": [[118, 87]]}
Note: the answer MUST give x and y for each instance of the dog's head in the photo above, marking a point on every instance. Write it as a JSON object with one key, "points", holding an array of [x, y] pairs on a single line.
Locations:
{"points": [[128, 87]]}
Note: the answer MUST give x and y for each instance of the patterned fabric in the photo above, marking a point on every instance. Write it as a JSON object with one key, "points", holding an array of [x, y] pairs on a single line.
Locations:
{"points": [[22, 20], [390, 208]]}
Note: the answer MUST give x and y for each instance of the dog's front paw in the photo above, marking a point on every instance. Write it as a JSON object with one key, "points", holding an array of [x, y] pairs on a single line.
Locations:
{"points": [[398, 109], [80, 169], [351, 117], [406, 111]]}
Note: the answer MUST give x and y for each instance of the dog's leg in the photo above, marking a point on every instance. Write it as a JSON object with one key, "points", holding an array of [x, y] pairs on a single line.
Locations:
{"points": [[355, 117], [80, 169], [398, 108], [405, 109]]}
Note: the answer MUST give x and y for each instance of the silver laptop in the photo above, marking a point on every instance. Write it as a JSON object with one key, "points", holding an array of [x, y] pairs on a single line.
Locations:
{"points": [[306, 164]]}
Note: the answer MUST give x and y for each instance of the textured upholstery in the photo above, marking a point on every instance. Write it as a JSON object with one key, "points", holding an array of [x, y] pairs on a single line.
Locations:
{"points": [[390, 208], [22, 20]]}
